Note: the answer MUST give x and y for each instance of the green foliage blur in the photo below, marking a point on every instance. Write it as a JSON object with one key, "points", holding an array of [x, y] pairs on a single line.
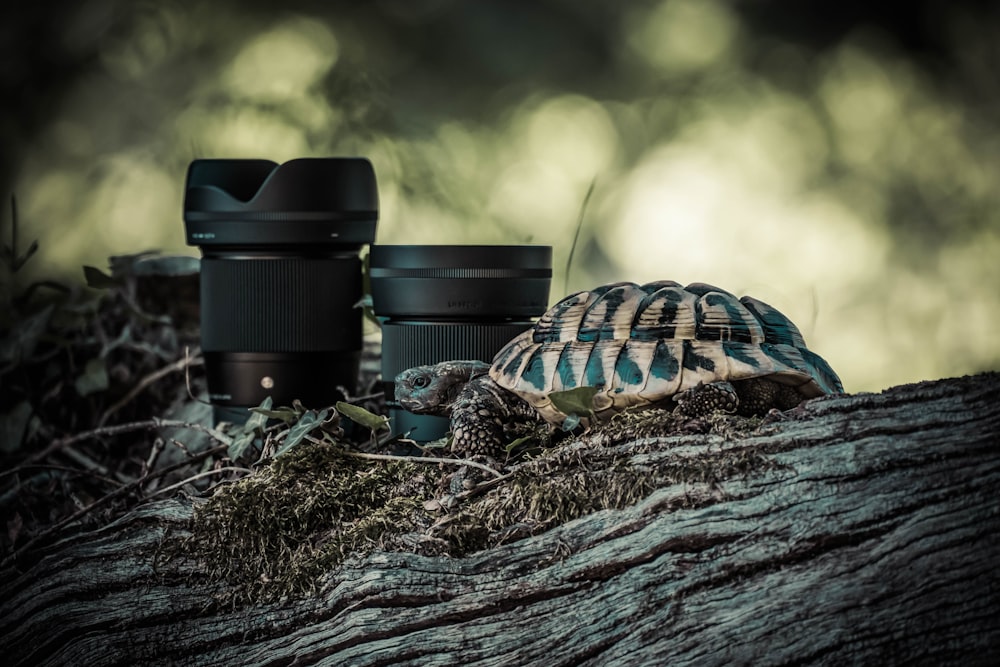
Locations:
{"points": [[847, 177]]}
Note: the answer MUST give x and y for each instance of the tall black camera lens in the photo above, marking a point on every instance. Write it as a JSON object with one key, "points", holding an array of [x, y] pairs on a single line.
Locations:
{"points": [[439, 303], [280, 276]]}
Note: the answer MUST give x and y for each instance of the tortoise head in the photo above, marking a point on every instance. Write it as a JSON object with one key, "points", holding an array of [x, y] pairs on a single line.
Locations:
{"points": [[432, 390]]}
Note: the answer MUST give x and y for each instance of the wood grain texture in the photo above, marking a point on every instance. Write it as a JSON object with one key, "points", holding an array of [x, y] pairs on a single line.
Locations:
{"points": [[866, 532]]}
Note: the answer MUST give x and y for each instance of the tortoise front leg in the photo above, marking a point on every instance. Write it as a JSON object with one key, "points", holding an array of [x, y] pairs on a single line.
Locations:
{"points": [[483, 416]]}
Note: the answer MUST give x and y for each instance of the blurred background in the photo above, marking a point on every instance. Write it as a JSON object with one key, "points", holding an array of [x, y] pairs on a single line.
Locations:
{"points": [[838, 160]]}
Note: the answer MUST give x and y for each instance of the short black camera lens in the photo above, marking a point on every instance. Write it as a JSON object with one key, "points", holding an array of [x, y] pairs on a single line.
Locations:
{"points": [[439, 303], [280, 275]]}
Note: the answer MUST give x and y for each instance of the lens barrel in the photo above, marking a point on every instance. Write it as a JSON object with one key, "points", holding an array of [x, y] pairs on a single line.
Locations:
{"points": [[280, 276], [440, 303]]}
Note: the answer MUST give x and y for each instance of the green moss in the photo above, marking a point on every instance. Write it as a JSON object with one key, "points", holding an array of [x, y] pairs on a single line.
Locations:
{"points": [[595, 472], [279, 531], [274, 533]]}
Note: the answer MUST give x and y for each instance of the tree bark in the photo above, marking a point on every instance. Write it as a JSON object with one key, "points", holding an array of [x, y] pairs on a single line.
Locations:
{"points": [[866, 533]]}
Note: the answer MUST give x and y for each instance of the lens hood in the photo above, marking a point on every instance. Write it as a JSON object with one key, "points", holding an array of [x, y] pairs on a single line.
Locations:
{"points": [[280, 275], [307, 201], [460, 282]]}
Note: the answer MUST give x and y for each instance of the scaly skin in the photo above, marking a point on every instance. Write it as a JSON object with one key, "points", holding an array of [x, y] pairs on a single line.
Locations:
{"points": [[758, 395], [744, 397], [485, 417]]}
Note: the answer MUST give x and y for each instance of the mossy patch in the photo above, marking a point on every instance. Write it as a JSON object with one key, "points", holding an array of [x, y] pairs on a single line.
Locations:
{"points": [[597, 471], [277, 532], [274, 533]]}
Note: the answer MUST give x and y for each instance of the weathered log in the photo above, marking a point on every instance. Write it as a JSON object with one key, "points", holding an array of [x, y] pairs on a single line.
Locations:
{"points": [[867, 532]]}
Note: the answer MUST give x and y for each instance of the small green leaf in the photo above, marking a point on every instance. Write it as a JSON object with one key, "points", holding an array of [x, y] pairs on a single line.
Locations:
{"points": [[240, 445], [516, 443], [93, 379], [258, 419], [307, 422], [359, 415], [251, 428], [98, 279], [578, 401]]}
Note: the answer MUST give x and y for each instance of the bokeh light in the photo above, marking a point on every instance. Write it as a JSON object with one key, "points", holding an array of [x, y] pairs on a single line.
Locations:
{"points": [[843, 183]]}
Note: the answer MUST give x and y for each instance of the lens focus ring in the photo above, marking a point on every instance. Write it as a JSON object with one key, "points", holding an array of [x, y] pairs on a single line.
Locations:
{"points": [[286, 304]]}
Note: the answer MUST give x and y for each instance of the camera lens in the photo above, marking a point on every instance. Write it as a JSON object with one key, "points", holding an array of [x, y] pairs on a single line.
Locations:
{"points": [[439, 303], [280, 276]]}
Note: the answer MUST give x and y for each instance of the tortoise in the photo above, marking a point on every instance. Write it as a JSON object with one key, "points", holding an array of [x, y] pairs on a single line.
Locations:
{"points": [[695, 349]]}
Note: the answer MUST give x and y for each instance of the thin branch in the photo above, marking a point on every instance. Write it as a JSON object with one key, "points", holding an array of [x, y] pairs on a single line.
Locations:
{"points": [[77, 471], [192, 478], [117, 493], [181, 364], [187, 377], [413, 459], [367, 397], [159, 444], [91, 464], [576, 236], [119, 429], [426, 459]]}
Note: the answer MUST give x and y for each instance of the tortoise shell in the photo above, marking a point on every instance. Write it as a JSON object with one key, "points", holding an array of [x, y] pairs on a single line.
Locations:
{"points": [[641, 344]]}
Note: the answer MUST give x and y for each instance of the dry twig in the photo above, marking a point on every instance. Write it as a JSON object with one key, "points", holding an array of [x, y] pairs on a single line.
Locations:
{"points": [[119, 429], [117, 493], [181, 364]]}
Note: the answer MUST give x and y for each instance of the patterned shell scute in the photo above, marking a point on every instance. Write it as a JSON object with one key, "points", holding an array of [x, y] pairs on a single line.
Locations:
{"points": [[641, 344]]}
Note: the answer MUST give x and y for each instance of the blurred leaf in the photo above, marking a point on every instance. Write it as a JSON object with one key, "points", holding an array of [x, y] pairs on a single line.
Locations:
{"points": [[258, 419], [24, 336], [98, 279], [359, 415], [307, 422], [12, 426], [531, 444], [517, 442], [578, 401], [254, 424], [93, 379], [570, 423], [239, 445]]}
